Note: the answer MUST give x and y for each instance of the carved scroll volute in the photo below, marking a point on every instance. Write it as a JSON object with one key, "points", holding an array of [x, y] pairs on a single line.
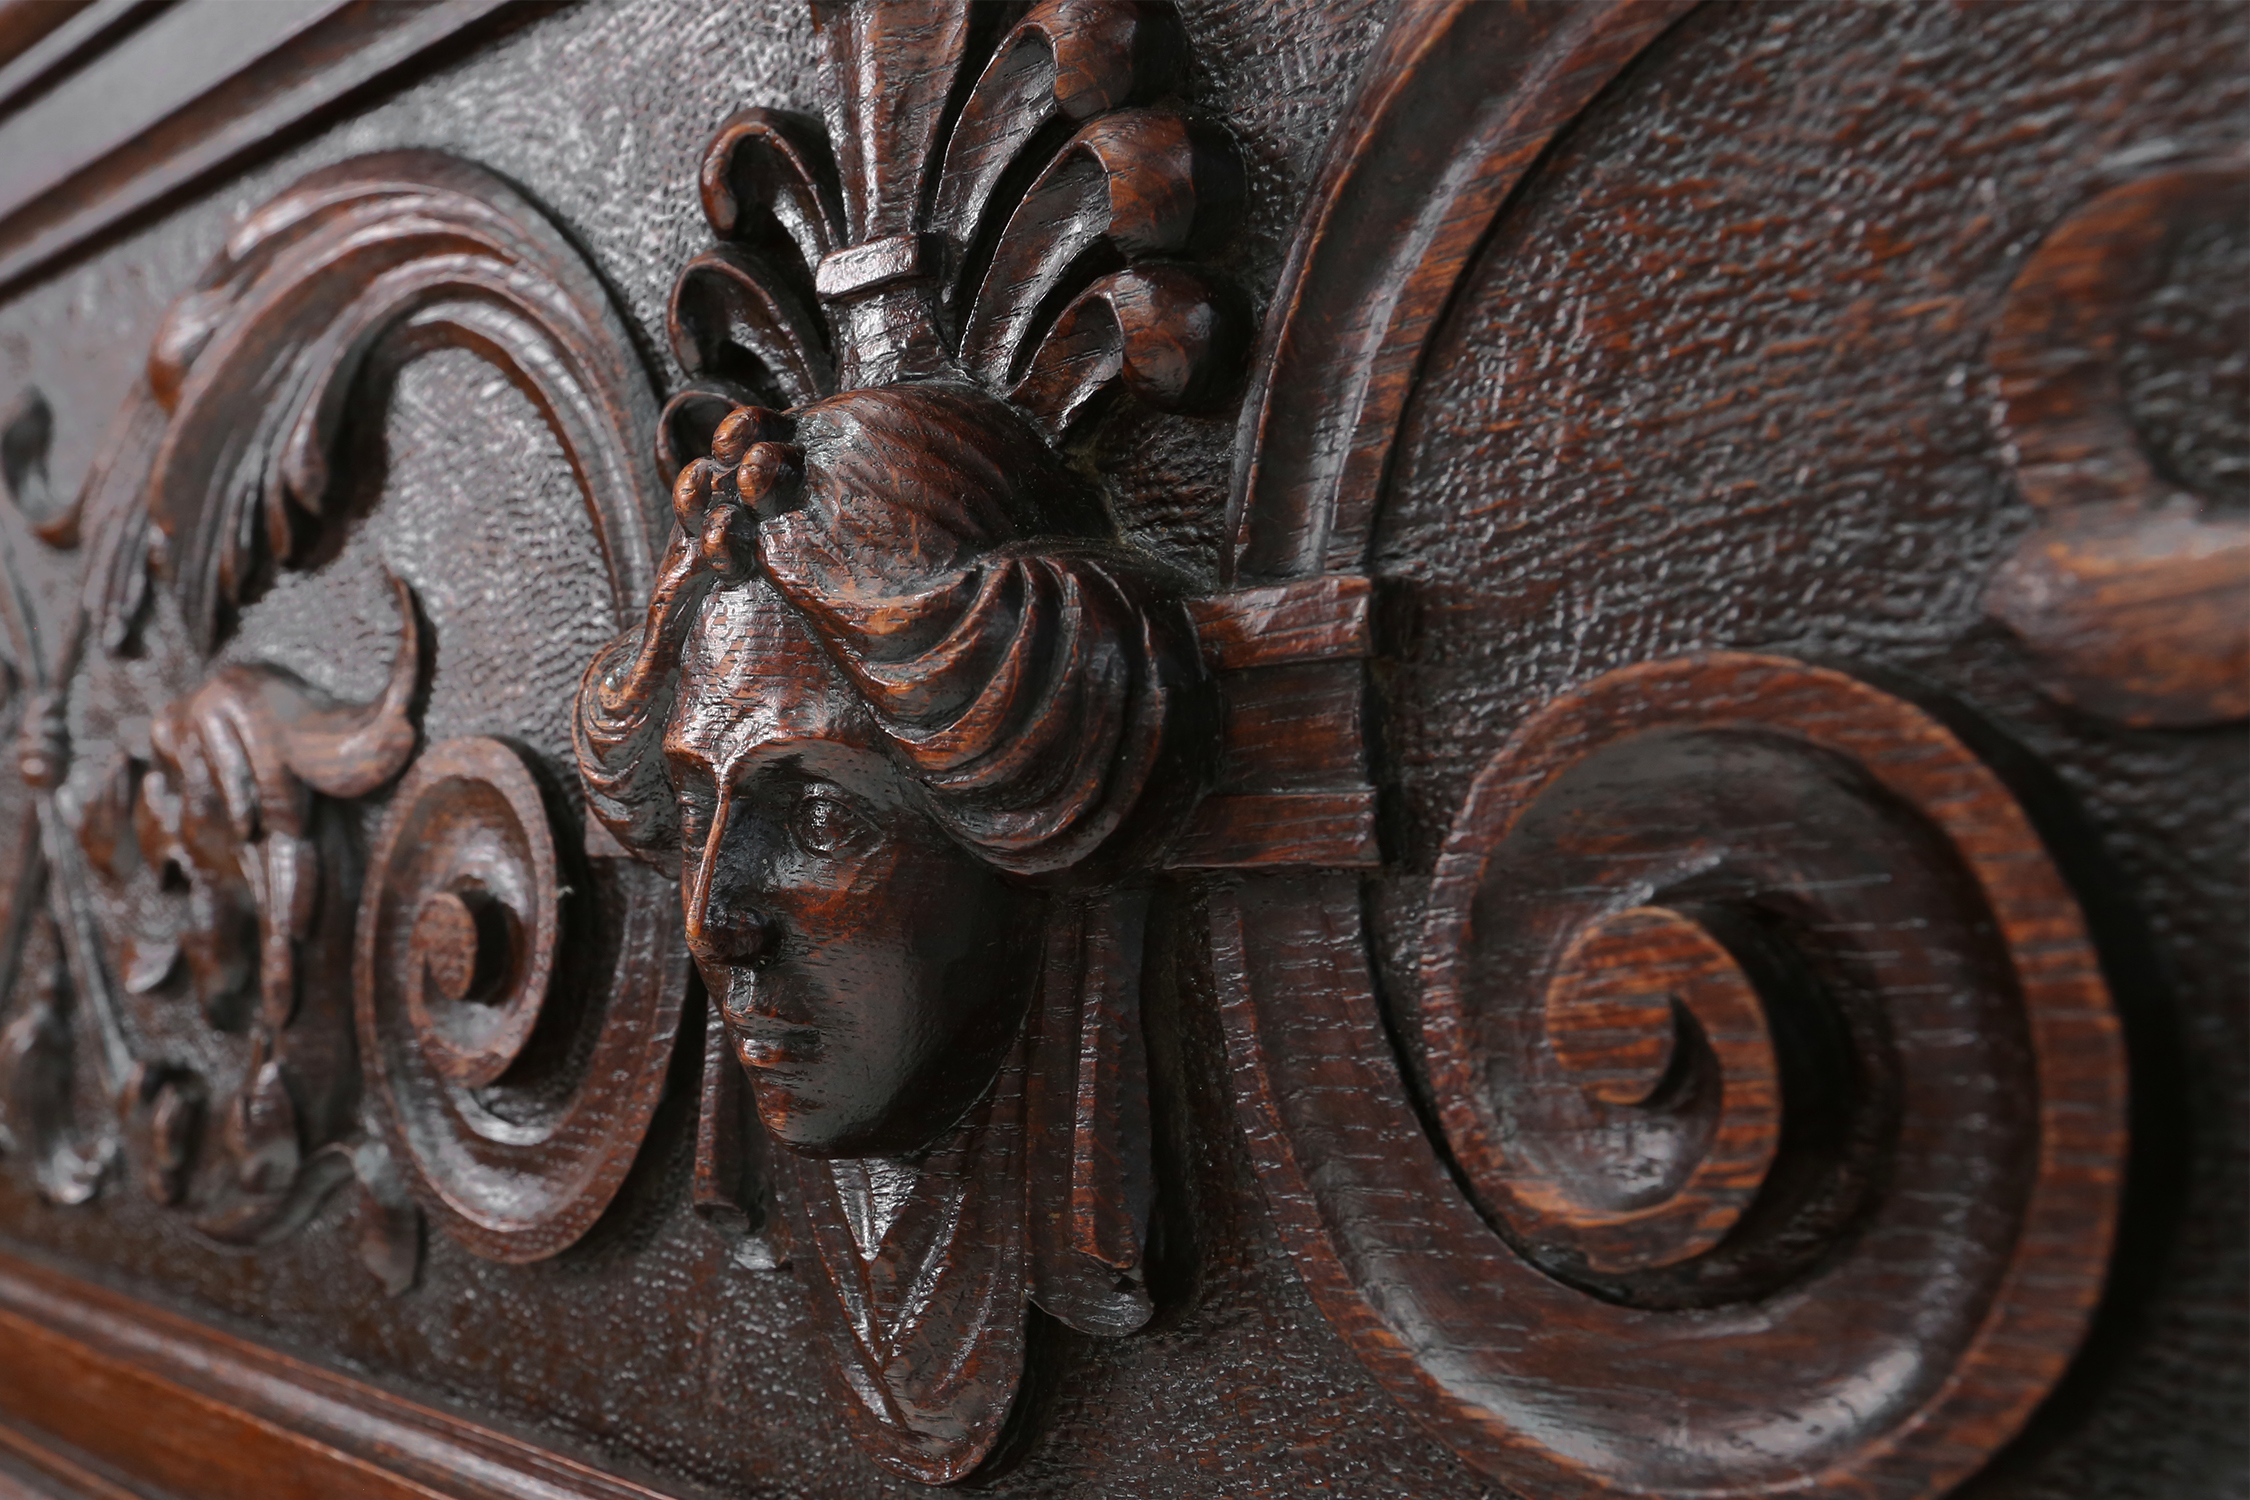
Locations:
{"points": [[1738, 1107], [1751, 1001], [317, 300], [2117, 353], [904, 702], [508, 1022]]}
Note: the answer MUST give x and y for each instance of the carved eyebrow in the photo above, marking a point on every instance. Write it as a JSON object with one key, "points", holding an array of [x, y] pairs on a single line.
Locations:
{"points": [[777, 759], [683, 756]]}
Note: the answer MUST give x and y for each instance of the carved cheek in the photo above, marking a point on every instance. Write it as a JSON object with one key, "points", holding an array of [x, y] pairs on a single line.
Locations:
{"points": [[933, 905], [852, 903]]}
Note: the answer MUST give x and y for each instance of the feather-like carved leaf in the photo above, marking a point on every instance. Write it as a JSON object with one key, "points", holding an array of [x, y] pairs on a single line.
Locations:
{"points": [[1132, 183], [769, 183], [891, 69], [1162, 332], [734, 319], [1064, 63], [121, 541]]}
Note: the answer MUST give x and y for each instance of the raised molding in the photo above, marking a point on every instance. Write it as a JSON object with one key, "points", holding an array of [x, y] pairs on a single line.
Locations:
{"points": [[190, 1410]]}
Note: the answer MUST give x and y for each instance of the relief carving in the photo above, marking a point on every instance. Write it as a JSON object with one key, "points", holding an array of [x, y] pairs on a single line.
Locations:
{"points": [[912, 720], [1744, 987], [1747, 996], [2121, 383], [1735, 1103], [233, 808], [215, 858]]}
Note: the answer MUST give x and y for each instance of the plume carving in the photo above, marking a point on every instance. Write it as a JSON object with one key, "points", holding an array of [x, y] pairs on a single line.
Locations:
{"points": [[1028, 240]]}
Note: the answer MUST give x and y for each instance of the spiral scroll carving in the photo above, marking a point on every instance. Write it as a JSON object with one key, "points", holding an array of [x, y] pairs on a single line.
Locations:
{"points": [[1772, 1072], [518, 1051], [1657, 1060]]}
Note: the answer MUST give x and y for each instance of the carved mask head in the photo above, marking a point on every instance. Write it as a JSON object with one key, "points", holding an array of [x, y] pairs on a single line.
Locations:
{"points": [[859, 954], [894, 683]]}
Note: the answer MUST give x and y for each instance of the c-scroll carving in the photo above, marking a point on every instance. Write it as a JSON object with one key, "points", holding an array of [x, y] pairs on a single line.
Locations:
{"points": [[1737, 975], [916, 725], [316, 302]]}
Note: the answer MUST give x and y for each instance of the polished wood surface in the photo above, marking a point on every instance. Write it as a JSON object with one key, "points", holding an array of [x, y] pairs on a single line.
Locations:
{"points": [[1094, 748]]}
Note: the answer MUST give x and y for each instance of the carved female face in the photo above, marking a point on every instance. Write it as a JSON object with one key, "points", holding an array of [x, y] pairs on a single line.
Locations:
{"points": [[863, 960]]}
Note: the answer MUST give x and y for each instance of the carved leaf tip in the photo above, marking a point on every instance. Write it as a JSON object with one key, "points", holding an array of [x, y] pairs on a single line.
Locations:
{"points": [[350, 752], [918, 239]]}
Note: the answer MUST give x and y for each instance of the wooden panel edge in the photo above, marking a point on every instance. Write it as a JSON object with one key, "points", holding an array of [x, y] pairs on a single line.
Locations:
{"points": [[208, 1409], [231, 121], [34, 1466]]}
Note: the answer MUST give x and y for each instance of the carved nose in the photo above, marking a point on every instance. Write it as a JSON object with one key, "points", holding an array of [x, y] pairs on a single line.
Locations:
{"points": [[724, 931], [723, 928]]}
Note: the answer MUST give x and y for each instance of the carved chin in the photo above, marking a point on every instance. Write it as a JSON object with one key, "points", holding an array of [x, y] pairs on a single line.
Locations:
{"points": [[802, 1115], [817, 1100], [801, 1076], [783, 1066]]}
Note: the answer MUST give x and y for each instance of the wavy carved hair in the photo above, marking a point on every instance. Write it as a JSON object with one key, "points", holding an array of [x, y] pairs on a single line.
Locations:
{"points": [[966, 587]]}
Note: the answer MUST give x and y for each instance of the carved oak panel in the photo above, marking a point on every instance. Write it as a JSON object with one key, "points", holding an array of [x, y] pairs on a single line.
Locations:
{"points": [[1088, 747]]}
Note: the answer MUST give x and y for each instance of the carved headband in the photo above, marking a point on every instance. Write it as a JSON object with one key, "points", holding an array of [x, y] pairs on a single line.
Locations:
{"points": [[959, 578]]}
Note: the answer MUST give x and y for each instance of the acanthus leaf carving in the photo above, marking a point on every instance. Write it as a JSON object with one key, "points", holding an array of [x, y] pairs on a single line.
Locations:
{"points": [[234, 806], [316, 301], [228, 835]]}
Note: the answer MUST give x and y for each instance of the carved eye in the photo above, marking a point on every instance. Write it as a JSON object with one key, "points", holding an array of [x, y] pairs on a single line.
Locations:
{"points": [[829, 826]]}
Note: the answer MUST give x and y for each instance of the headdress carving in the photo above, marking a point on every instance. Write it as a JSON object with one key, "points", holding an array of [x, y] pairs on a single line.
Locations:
{"points": [[1024, 680], [978, 232], [1005, 209]]}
